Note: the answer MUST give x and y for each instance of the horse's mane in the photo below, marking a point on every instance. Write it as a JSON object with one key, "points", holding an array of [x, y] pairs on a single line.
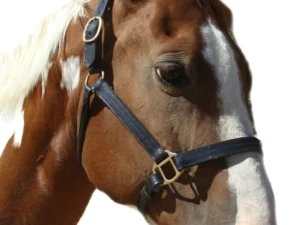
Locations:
{"points": [[22, 67]]}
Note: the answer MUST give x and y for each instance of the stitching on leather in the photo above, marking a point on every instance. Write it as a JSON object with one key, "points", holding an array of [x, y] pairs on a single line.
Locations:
{"points": [[150, 141]]}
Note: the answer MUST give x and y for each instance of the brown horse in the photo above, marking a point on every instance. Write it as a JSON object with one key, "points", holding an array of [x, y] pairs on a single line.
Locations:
{"points": [[177, 67]]}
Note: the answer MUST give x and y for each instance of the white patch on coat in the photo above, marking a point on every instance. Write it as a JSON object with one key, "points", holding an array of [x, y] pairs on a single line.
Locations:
{"points": [[70, 73], [19, 128], [11, 125], [44, 82], [248, 182], [44, 77], [21, 67]]}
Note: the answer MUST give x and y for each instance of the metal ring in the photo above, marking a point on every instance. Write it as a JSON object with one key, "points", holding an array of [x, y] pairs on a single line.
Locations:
{"points": [[102, 75], [87, 79], [86, 82], [157, 168]]}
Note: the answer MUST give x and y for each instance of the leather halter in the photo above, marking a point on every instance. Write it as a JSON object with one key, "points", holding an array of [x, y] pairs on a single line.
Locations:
{"points": [[160, 156]]}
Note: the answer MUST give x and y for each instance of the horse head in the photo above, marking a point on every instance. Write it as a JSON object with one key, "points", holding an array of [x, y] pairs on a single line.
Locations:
{"points": [[177, 67], [173, 74]]}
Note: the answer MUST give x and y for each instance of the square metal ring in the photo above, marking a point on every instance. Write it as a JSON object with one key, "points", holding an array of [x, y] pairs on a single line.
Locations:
{"points": [[158, 168]]}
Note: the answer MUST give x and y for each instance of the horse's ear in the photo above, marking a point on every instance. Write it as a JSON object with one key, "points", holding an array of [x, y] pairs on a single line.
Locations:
{"points": [[223, 13]]}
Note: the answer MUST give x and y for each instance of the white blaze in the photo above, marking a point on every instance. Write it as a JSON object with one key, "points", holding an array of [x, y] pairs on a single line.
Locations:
{"points": [[248, 183], [70, 73]]}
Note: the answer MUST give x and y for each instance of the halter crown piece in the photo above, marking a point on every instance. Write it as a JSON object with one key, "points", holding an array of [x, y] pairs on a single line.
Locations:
{"points": [[160, 156]]}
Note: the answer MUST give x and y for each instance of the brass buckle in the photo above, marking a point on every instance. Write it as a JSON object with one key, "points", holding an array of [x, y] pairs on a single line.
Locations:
{"points": [[158, 168], [98, 29]]}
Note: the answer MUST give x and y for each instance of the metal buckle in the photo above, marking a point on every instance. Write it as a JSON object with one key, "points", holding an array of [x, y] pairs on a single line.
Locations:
{"points": [[158, 168], [98, 29]]}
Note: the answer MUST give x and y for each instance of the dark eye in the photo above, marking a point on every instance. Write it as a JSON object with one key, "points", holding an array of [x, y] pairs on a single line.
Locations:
{"points": [[170, 73]]}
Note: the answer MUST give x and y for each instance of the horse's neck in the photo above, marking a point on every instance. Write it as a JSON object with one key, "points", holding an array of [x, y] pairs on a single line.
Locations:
{"points": [[41, 182]]}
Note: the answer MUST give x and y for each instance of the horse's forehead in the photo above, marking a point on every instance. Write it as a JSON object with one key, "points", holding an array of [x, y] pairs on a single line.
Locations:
{"points": [[147, 18], [167, 9], [170, 6]]}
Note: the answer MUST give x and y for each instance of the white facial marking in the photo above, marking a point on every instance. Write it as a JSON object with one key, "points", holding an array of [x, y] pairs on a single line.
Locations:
{"points": [[11, 125], [248, 183], [70, 73]]}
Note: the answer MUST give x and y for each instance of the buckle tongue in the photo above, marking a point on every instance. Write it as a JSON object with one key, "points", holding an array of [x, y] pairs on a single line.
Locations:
{"points": [[157, 168]]}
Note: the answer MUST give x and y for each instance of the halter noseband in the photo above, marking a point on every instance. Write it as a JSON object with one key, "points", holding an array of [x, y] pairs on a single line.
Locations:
{"points": [[161, 157]]}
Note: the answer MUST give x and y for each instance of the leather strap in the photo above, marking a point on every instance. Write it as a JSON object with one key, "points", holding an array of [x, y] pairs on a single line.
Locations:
{"points": [[152, 186], [194, 157], [93, 50], [92, 60], [83, 121], [101, 8], [136, 128], [222, 149]]}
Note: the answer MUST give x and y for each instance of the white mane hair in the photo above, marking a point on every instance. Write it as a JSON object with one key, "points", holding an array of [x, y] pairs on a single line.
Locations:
{"points": [[23, 66]]}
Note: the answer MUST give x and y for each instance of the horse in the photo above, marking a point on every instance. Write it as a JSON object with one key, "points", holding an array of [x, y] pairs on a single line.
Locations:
{"points": [[175, 70]]}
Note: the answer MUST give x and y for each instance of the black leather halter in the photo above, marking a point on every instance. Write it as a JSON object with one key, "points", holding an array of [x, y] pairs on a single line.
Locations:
{"points": [[161, 157]]}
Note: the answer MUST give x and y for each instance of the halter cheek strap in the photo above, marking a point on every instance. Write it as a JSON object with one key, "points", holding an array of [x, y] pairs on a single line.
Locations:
{"points": [[161, 157], [93, 62]]}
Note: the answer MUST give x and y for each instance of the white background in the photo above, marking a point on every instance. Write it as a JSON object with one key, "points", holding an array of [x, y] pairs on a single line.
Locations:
{"points": [[268, 33]]}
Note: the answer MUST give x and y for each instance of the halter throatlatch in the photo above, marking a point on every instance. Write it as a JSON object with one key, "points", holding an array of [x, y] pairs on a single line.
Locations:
{"points": [[161, 157]]}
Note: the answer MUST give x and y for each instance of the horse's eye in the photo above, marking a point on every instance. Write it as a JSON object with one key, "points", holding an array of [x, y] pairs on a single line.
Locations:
{"points": [[169, 73]]}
